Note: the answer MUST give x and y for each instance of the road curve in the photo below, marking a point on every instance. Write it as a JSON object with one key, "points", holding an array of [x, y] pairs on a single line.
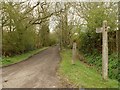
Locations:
{"points": [[38, 71]]}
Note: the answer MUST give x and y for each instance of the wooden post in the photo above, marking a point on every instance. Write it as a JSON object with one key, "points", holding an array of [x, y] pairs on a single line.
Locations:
{"points": [[74, 52], [105, 51], [104, 31]]}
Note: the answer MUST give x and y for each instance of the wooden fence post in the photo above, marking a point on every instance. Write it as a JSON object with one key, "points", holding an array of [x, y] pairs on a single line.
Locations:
{"points": [[74, 52]]}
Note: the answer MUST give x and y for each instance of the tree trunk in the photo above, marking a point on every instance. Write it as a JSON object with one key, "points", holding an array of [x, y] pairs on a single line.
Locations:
{"points": [[117, 42]]}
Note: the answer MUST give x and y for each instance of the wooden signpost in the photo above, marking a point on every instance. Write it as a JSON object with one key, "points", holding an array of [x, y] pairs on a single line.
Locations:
{"points": [[104, 30]]}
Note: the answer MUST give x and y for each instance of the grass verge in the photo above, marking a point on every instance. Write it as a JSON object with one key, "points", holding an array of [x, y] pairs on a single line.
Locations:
{"points": [[81, 74], [15, 59]]}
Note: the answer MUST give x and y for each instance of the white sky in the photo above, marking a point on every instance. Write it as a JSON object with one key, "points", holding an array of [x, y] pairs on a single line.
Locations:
{"points": [[53, 23]]}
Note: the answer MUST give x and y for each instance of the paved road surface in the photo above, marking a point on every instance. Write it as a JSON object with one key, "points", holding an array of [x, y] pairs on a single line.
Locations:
{"points": [[38, 71]]}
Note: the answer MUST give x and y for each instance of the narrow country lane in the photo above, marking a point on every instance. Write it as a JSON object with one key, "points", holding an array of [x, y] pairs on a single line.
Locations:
{"points": [[38, 71]]}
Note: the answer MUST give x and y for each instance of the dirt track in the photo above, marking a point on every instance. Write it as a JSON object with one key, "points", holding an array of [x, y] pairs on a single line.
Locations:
{"points": [[38, 71]]}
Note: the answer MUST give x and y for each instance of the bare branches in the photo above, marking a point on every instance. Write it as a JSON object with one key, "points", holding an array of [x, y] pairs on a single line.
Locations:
{"points": [[33, 8], [42, 19]]}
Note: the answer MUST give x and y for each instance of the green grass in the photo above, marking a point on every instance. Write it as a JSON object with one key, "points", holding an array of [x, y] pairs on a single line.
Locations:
{"points": [[11, 60], [81, 74]]}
